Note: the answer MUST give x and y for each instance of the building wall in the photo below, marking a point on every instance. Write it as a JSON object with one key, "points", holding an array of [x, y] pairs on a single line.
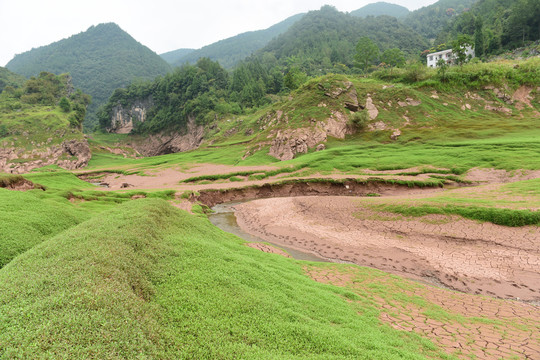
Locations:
{"points": [[445, 55]]}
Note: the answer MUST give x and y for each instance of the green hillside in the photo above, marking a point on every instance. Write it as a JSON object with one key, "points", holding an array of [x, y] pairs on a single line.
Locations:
{"points": [[430, 20], [99, 60], [325, 40], [496, 25], [381, 8], [44, 107], [8, 78], [189, 91], [172, 56], [229, 52]]}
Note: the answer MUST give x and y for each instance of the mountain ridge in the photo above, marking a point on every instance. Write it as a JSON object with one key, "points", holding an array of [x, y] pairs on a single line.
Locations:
{"points": [[228, 52], [100, 59], [381, 8]]}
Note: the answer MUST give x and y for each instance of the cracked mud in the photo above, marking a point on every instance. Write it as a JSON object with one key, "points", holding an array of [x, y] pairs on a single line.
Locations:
{"points": [[466, 326], [472, 257]]}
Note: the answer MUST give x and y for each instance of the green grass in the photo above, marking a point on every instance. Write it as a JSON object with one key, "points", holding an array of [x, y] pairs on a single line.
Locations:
{"points": [[529, 188], [27, 220], [58, 180], [253, 174], [506, 217], [146, 280]]}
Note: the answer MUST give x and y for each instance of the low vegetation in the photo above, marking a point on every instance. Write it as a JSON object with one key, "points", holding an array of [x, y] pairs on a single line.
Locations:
{"points": [[147, 280], [43, 112]]}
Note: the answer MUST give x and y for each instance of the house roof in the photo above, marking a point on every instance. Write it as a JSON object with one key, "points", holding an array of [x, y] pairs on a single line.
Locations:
{"points": [[440, 52]]}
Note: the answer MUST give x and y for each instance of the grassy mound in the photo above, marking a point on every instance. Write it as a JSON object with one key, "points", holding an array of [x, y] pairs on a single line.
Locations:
{"points": [[146, 280], [27, 220]]}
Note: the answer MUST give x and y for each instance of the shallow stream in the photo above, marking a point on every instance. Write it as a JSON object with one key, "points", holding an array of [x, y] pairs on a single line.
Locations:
{"points": [[225, 219]]}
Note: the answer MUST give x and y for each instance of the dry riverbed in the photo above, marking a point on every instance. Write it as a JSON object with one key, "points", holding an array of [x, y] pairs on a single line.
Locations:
{"points": [[465, 255]]}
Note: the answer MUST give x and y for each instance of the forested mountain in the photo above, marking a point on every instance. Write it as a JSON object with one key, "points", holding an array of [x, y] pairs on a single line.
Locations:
{"points": [[430, 20], [496, 25], [173, 56], [99, 60], [325, 40], [381, 8], [8, 78], [229, 52]]}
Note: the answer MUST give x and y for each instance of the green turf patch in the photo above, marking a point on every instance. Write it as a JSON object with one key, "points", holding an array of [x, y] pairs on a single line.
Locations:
{"points": [[27, 220], [506, 217]]}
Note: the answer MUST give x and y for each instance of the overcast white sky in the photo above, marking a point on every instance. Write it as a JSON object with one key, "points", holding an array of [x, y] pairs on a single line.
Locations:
{"points": [[162, 25]]}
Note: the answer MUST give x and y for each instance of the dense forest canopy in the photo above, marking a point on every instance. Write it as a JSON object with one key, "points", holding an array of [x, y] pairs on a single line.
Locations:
{"points": [[496, 25], [190, 90], [381, 8], [325, 40], [321, 42], [173, 56], [430, 20], [229, 52], [99, 60], [8, 78]]}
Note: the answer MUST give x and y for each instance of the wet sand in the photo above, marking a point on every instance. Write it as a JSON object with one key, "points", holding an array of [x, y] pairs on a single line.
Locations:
{"points": [[472, 257]]}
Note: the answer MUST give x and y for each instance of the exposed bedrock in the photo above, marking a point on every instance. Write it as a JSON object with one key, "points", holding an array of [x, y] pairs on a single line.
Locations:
{"points": [[70, 155]]}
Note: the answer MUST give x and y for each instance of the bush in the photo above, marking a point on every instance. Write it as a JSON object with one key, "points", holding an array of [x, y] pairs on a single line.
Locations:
{"points": [[64, 104], [415, 72], [359, 119], [3, 131]]}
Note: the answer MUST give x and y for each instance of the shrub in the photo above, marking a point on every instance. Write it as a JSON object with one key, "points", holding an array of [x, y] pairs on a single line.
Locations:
{"points": [[359, 119]]}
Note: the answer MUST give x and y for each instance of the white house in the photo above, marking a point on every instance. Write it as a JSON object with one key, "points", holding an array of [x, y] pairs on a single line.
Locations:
{"points": [[446, 55]]}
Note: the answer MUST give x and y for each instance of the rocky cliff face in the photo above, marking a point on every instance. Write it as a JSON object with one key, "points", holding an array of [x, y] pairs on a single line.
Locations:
{"points": [[70, 155], [123, 119], [171, 142], [289, 142]]}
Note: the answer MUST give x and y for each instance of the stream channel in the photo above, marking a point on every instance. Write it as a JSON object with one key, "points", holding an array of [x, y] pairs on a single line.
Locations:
{"points": [[224, 218]]}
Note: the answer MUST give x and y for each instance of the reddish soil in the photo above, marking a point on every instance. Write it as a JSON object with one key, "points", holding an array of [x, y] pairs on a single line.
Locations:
{"points": [[493, 176], [268, 249], [476, 258], [507, 329], [172, 178]]}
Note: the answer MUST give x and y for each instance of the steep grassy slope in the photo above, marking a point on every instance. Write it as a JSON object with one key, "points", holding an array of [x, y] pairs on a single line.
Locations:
{"points": [[229, 52], [147, 280], [99, 60]]}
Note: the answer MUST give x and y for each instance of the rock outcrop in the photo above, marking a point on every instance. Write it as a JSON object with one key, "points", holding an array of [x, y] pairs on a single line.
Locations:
{"points": [[288, 142], [70, 155], [171, 142], [123, 119]]}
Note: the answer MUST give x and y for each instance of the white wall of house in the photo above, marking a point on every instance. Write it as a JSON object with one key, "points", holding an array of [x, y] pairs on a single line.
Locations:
{"points": [[446, 55]]}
